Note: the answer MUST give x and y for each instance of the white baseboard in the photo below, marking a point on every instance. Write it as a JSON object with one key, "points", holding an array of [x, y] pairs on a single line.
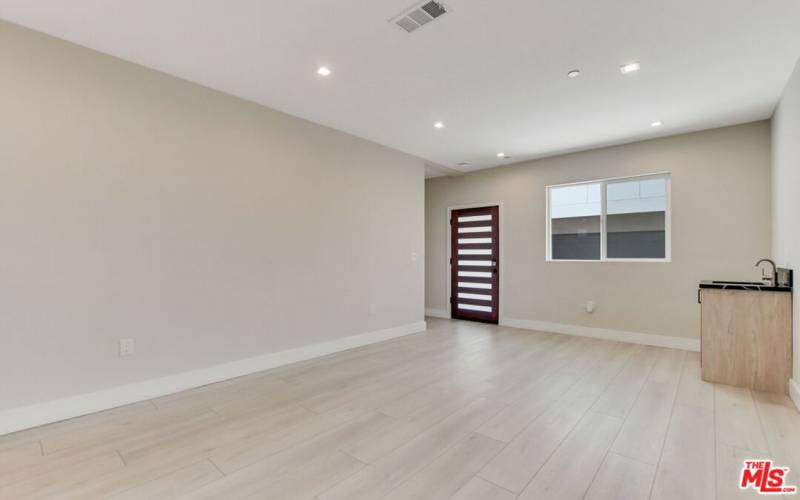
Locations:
{"points": [[17, 419], [794, 393], [606, 334], [437, 313]]}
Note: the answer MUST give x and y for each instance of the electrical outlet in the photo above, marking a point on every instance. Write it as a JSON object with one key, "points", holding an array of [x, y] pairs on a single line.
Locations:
{"points": [[126, 347]]}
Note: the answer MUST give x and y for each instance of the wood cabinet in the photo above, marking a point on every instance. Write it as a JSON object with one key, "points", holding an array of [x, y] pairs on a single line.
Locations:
{"points": [[746, 338]]}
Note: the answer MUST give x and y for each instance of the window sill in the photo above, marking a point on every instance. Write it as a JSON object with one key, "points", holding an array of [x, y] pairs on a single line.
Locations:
{"points": [[611, 260]]}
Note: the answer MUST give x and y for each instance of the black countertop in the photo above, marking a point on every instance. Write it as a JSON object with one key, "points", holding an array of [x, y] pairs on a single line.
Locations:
{"points": [[740, 285]]}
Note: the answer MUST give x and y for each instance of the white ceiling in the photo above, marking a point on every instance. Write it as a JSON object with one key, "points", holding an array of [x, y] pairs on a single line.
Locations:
{"points": [[493, 71]]}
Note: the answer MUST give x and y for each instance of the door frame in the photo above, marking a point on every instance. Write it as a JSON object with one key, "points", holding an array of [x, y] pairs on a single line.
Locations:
{"points": [[501, 256]]}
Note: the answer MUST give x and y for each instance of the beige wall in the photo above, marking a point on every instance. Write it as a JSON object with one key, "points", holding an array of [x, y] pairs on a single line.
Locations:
{"points": [[720, 226], [786, 191], [207, 228]]}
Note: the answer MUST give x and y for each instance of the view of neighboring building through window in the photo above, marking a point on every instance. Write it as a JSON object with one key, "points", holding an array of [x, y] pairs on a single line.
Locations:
{"points": [[575, 221], [609, 219], [636, 213]]}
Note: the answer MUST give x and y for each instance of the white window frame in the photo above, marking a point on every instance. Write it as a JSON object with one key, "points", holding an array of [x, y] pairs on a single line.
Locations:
{"points": [[603, 193]]}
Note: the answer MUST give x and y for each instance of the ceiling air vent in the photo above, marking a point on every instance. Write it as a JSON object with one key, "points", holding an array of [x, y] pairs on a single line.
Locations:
{"points": [[419, 15]]}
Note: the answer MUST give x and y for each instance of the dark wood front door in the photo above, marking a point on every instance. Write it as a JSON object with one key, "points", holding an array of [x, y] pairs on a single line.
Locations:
{"points": [[474, 271]]}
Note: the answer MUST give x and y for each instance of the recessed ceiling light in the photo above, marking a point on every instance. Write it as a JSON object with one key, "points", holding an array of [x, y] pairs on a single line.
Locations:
{"points": [[463, 164], [501, 155], [657, 123], [630, 68], [323, 71], [575, 73], [438, 125]]}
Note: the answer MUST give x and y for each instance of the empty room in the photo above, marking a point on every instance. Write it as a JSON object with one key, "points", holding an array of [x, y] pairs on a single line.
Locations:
{"points": [[363, 250]]}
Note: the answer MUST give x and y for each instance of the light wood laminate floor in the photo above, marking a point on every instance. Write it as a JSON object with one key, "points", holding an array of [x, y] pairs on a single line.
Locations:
{"points": [[463, 411]]}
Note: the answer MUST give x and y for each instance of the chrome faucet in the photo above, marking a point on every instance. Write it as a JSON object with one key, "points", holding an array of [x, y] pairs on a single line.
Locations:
{"points": [[772, 278]]}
